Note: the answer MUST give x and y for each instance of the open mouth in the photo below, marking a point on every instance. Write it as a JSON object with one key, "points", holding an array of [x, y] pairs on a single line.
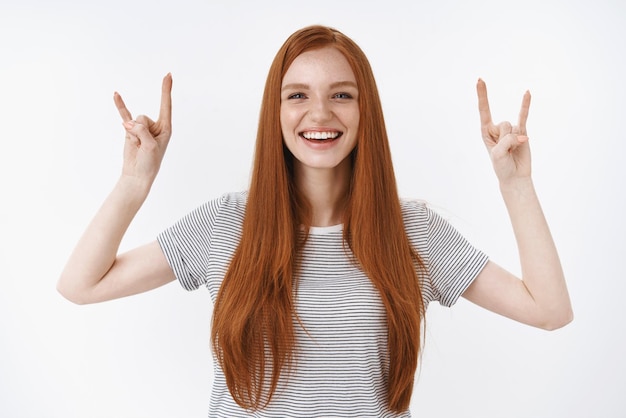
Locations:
{"points": [[321, 136]]}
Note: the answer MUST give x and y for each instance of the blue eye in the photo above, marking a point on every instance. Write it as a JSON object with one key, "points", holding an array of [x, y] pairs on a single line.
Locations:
{"points": [[343, 96], [296, 96]]}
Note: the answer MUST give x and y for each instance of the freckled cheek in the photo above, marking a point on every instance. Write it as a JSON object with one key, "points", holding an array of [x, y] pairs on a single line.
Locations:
{"points": [[288, 123], [353, 124], [351, 117]]}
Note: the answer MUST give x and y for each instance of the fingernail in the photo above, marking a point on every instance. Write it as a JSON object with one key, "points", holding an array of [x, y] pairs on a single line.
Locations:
{"points": [[129, 124], [522, 138]]}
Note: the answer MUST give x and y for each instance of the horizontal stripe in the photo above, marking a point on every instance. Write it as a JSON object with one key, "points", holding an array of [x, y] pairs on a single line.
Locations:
{"points": [[341, 360]]}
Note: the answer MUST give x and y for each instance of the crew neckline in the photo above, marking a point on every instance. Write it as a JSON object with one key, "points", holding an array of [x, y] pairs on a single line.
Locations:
{"points": [[322, 230]]}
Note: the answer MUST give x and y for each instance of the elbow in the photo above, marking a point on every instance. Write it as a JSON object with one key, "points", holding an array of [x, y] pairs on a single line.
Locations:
{"points": [[70, 293], [558, 321]]}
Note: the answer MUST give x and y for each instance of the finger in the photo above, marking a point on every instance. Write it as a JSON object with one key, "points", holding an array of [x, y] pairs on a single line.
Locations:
{"points": [[121, 107], [495, 133], [152, 126], [144, 120], [140, 132], [504, 128], [523, 113], [492, 131], [165, 112], [483, 103], [507, 144]]}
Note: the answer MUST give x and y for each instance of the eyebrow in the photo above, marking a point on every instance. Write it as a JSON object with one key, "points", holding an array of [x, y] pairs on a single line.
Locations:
{"points": [[302, 86]]}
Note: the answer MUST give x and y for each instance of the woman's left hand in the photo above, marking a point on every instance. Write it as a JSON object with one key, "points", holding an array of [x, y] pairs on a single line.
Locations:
{"points": [[507, 144], [541, 298]]}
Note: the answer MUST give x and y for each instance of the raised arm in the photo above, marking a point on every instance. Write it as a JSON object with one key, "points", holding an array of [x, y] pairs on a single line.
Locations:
{"points": [[540, 298], [94, 271]]}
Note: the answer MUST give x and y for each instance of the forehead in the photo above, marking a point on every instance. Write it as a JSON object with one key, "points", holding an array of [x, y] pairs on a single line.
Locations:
{"points": [[318, 66]]}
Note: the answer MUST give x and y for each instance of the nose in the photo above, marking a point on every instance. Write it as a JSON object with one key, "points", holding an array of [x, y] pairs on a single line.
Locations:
{"points": [[320, 110]]}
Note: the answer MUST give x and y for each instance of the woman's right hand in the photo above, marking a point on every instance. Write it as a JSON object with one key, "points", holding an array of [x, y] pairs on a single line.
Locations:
{"points": [[146, 140], [95, 271]]}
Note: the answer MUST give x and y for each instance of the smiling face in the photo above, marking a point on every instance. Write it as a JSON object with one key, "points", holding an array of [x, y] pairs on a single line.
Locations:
{"points": [[319, 111]]}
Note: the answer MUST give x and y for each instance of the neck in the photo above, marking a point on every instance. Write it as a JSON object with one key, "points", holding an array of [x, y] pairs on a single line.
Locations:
{"points": [[326, 191]]}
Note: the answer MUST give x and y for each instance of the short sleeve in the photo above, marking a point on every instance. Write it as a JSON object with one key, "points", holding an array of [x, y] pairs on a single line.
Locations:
{"points": [[452, 263], [187, 244]]}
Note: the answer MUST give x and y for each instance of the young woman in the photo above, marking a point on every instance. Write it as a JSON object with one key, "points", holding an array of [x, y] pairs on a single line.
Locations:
{"points": [[319, 273]]}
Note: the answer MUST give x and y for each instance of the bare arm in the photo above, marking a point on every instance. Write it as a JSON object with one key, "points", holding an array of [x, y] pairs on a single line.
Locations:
{"points": [[540, 298], [94, 271]]}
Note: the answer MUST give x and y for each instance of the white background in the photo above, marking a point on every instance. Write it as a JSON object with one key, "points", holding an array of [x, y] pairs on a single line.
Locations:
{"points": [[148, 356]]}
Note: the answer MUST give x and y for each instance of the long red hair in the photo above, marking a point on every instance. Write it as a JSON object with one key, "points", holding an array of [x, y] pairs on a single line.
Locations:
{"points": [[254, 316]]}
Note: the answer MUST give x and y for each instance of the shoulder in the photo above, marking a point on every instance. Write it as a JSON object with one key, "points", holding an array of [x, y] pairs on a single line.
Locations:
{"points": [[235, 198], [230, 200], [423, 224], [228, 209], [413, 207], [416, 213], [228, 204], [421, 212], [233, 201]]}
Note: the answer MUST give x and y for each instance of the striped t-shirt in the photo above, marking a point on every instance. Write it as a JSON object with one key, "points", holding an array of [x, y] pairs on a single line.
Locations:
{"points": [[342, 357]]}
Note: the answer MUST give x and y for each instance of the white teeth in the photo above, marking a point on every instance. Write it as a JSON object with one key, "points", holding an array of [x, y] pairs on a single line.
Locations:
{"points": [[320, 135]]}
